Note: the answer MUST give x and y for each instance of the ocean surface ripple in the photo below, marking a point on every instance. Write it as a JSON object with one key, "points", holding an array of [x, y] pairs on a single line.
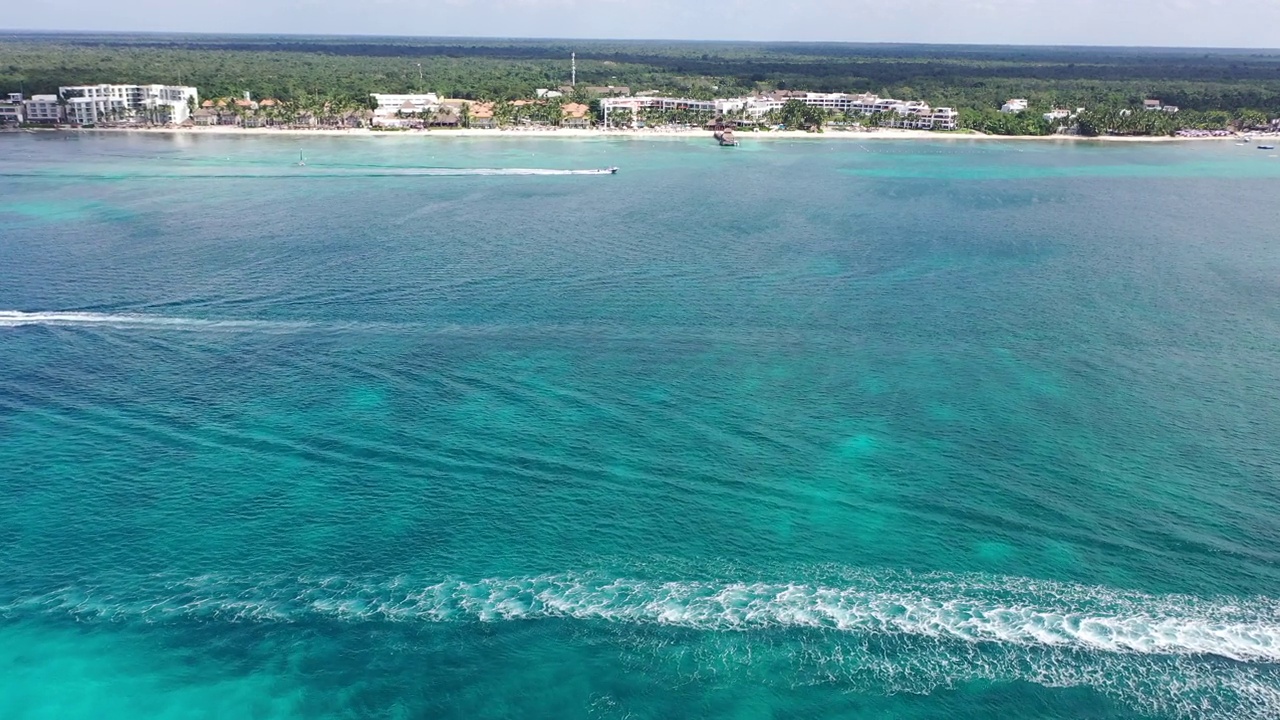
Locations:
{"points": [[443, 428]]}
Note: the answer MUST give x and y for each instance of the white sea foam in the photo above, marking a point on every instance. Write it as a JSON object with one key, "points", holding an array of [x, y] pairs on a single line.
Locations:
{"points": [[487, 172], [1165, 655], [17, 318], [317, 171], [1019, 613]]}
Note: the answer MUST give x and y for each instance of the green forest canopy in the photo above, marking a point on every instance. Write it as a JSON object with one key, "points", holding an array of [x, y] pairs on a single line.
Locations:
{"points": [[974, 78]]}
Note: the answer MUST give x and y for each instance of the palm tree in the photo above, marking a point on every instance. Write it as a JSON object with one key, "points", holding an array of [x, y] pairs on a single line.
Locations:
{"points": [[554, 113], [503, 113]]}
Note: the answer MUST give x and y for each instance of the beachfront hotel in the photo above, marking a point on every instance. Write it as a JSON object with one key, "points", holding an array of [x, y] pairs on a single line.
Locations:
{"points": [[390, 108], [910, 114], [644, 102], [11, 110], [92, 104], [914, 114], [42, 109]]}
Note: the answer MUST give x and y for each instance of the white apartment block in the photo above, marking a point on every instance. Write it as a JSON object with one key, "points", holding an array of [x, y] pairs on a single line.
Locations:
{"points": [[921, 117], [91, 104], [913, 114], [392, 105], [11, 110], [42, 109], [1014, 106], [636, 104]]}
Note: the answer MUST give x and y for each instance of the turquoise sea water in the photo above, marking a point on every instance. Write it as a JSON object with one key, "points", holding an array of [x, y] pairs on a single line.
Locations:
{"points": [[797, 429]]}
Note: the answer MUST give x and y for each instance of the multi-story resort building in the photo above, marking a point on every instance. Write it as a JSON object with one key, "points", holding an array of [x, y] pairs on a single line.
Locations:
{"points": [[902, 114], [92, 104], [11, 110], [921, 117], [610, 106], [43, 109], [390, 108]]}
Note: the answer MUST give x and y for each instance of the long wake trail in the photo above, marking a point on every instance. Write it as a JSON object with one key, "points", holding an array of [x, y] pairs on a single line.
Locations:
{"points": [[1008, 611], [18, 318], [311, 172], [1166, 655]]}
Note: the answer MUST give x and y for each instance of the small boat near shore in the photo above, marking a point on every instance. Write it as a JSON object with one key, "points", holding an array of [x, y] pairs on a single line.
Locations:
{"points": [[1266, 147]]}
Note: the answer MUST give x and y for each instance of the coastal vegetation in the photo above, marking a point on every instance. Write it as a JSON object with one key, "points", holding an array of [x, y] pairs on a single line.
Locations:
{"points": [[1212, 89]]}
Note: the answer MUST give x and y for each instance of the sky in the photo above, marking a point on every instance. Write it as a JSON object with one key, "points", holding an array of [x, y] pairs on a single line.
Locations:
{"points": [[1185, 23]]}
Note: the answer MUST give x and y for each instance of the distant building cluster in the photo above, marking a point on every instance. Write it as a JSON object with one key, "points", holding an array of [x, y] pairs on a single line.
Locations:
{"points": [[911, 114], [1018, 105], [112, 104], [166, 104], [94, 104], [242, 111], [415, 110]]}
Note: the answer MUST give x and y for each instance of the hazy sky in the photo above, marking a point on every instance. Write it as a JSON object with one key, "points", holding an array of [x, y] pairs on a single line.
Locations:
{"points": [[1218, 23]]}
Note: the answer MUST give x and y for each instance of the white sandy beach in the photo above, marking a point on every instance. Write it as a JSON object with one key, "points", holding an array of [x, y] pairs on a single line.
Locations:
{"points": [[638, 134]]}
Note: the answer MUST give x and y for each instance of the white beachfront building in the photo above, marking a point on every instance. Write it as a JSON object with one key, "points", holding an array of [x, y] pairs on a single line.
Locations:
{"points": [[919, 116], [903, 114], [915, 114], [42, 109], [11, 110], [390, 108], [91, 104], [1016, 105], [636, 104]]}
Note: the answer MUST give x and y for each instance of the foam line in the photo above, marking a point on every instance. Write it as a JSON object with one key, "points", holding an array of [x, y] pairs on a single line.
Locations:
{"points": [[315, 172], [486, 172], [1066, 617], [17, 318]]}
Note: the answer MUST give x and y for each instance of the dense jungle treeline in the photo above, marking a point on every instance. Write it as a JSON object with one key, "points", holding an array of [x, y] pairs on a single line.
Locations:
{"points": [[974, 79]]}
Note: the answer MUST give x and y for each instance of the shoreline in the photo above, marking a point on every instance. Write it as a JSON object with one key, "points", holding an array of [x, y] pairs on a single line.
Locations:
{"points": [[639, 134]]}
